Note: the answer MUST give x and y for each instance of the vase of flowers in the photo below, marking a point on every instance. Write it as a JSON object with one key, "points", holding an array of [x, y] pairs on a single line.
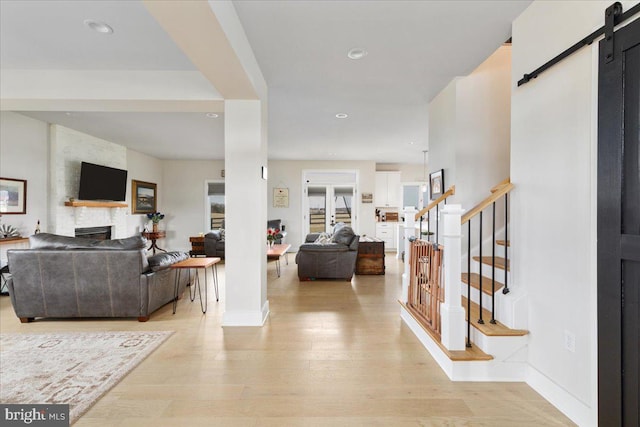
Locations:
{"points": [[273, 234], [155, 218]]}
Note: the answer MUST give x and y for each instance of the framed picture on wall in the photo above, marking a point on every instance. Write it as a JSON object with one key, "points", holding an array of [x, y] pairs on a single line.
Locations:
{"points": [[144, 197], [13, 196], [436, 183]]}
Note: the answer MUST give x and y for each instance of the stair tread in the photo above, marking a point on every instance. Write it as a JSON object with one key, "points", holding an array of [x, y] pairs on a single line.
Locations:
{"points": [[472, 353], [503, 242], [486, 282], [500, 262], [492, 330]]}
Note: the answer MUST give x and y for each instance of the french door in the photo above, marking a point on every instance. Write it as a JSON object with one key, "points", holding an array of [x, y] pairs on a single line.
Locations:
{"points": [[327, 205], [619, 230]]}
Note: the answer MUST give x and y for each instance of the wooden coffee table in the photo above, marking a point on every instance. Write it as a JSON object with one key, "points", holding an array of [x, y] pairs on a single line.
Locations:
{"points": [[276, 252], [196, 263]]}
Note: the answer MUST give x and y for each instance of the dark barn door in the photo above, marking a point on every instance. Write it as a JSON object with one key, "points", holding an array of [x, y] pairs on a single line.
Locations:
{"points": [[619, 230]]}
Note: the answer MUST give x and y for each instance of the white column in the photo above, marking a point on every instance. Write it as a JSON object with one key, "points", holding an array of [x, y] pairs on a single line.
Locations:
{"points": [[245, 214], [451, 311], [409, 231]]}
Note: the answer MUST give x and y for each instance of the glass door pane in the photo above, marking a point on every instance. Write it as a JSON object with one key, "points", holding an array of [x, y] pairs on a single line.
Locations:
{"points": [[317, 209], [216, 204], [342, 205]]}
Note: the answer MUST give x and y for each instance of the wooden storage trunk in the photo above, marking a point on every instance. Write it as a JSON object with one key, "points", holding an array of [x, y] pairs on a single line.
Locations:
{"points": [[370, 256]]}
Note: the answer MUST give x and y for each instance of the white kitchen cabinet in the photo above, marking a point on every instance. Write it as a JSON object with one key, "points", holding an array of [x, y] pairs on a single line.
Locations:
{"points": [[387, 189], [387, 231]]}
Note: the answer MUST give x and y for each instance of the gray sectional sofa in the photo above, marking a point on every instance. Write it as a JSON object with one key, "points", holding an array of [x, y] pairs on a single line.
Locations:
{"points": [[66, 277], [334, 259]]}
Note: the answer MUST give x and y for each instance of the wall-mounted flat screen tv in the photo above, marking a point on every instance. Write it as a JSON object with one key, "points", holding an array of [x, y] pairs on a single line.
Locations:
{"points": [[102, 183]]}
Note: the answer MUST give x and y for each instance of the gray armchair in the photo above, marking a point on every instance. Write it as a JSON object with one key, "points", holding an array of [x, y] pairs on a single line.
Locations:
{"points": [[333, 260]]}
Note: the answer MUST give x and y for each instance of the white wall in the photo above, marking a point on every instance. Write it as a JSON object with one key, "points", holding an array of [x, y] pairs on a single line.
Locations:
{"points": [[24, 154], [142, 167], [469, 130], [285, 173], [183, 196], [483, 101], [553, 166]]}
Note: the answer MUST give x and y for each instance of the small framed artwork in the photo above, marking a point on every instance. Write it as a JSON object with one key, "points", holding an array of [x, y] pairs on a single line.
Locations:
{"points": [[436, 181], [144, 197], [13, 196], [367, 197], [280, 197]]}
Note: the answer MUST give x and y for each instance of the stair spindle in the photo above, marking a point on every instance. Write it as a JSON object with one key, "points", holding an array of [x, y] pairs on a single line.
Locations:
{"points": [[493, 268], [480, 321], [505, 290], [469, 284]]}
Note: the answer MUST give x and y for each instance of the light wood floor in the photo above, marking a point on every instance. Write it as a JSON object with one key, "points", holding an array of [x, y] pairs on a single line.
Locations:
{"points": [[330, 354]]}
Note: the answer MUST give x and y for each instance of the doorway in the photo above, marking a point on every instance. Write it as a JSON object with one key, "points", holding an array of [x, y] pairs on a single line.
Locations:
{"points": [[329, 205], [619, 229], [329, 198]]}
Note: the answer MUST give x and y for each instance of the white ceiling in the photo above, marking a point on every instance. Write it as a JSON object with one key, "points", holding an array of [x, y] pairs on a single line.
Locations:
{"points": [[414, 49]]}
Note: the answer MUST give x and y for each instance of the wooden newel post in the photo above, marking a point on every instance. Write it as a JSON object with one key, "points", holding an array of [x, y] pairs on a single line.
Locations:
{"points": [[409, 231], [451, 311]]}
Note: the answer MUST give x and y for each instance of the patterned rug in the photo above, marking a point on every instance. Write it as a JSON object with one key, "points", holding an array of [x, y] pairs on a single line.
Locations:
{"points": [[75, 368]]}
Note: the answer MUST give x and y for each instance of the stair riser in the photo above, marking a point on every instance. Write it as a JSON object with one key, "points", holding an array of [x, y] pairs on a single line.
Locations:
{"points": [[486, 270], [475, 297], [501, 348]]}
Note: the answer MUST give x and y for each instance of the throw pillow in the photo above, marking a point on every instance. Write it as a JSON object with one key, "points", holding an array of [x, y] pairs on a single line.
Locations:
{"points": [[222, 234], [323, 239]]}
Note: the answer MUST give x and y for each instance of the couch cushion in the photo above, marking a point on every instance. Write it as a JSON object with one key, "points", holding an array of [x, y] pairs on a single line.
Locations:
{"points": [[163, 260], [343, 235], [54, 241]]}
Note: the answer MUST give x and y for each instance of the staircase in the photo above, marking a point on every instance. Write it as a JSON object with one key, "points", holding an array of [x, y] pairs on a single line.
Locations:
{"points": [[495, 314]]}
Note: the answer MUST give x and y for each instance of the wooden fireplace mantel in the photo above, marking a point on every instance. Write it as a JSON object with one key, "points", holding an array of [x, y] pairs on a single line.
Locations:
{"points": [[95, 204]]}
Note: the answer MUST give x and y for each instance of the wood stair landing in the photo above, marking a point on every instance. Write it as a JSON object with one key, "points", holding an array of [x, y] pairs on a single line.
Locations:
{"points": [[468, 355], [486, 283], [500, 262], [503, 242], [489, 329]]}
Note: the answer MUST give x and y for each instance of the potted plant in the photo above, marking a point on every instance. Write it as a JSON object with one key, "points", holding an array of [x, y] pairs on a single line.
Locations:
{"points": [[155, 217], [273, 234]]}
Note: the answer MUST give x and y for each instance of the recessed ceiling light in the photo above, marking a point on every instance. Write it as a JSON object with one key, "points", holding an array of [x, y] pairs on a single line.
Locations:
{"points": [[67, 113], [357, 53], [342, 115], [411, 142], [98, 26], [212, 115]]}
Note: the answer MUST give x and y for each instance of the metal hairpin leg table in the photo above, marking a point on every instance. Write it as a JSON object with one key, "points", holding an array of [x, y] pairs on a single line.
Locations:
{"points": [[196, 263], [276, 252]]}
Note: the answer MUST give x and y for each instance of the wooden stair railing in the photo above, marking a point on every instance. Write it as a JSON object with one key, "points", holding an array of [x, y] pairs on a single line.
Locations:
{"points": [[427, 210], [500, 190]]}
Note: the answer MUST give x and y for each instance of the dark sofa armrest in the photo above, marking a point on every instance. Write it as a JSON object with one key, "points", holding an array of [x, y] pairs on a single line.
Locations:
{"points": [[164, 260]]}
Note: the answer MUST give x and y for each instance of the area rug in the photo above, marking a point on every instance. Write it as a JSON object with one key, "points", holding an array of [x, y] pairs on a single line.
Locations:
{"points": [[75, 368]]}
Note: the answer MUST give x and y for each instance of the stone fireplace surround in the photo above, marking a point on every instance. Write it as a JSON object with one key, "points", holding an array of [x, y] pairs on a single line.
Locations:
{"points": [[69, 149]]}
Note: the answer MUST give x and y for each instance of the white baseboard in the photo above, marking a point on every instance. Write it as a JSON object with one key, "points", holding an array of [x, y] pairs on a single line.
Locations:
{"points": [[576, 410], [246, 317]]}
